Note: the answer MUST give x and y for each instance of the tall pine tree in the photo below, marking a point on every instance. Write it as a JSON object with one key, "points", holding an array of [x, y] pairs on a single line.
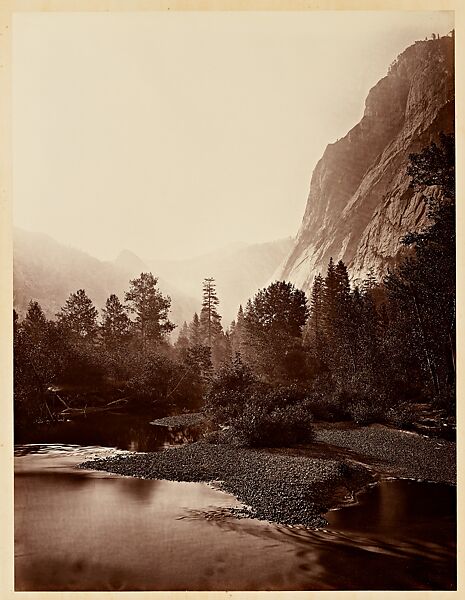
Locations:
{"points": [[210, 320]]}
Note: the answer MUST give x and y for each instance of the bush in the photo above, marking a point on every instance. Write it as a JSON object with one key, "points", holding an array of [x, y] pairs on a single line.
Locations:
{"points": [[331, 407], [230, 389], [263, 424], [364, 411], [401, 415], [152, 377]]}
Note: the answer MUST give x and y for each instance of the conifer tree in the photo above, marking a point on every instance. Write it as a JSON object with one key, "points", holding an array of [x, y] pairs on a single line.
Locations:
{"points": [[150, 308], [183, 339], [79, 316], [370, 282], [330, 291], [35, 323], [210, 320], [237, 333], [194, 331], [314, 327], [40, 357], [116, 324]]}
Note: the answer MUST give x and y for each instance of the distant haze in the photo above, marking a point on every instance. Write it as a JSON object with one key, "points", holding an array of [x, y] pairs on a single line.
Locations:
{"points": [[172, 134]]}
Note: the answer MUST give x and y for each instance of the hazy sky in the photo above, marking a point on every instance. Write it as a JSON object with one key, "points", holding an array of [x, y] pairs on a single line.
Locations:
{"points": [[172, 134]]}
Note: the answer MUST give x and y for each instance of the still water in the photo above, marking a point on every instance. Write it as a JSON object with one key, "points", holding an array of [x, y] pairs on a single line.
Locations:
{"points": [[88, 530]]}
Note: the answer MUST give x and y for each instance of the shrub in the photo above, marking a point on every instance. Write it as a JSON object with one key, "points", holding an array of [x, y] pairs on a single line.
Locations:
{"points": [[151, 379], [230, 389], [328, 407], [263, 424], [401, 415], [364, 411]]}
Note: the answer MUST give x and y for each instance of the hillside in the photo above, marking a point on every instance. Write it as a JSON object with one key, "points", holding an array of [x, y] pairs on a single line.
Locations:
{"points": [[47, 271]]}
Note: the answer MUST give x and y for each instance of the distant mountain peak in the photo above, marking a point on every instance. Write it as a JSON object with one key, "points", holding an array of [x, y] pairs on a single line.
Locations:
{"points": [[129, 261]]}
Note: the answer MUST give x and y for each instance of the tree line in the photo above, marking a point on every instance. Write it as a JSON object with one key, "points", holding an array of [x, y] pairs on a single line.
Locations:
{"points": [[364, 351]]}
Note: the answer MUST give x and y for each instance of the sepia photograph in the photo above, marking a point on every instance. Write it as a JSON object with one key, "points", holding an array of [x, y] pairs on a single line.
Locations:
{"points": [[234, 300]]}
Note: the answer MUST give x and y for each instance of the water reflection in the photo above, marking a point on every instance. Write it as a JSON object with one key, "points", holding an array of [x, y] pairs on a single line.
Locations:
{"points": [[90, 530], [123, 431]]}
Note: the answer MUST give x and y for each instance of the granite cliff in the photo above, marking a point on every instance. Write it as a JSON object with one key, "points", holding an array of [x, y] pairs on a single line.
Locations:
{"points": [[360, 203]]}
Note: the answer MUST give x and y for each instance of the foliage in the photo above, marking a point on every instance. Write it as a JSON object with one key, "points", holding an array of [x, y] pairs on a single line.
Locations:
{"points": [[151, 378], [182, 342], [229, 390], [150, 308], [194, 331], [266, 422], [422, 290], [273, 323], [364, 411], [210, 320], [79, 317], [116, 325], [365, 352], [210, 330], [237, 333], [401, 415]]}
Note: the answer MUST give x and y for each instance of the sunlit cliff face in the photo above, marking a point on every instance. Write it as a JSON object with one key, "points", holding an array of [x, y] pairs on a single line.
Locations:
{"points": [[360, 203]]}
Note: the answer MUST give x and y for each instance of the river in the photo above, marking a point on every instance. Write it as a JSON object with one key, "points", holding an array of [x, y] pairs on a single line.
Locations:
{"points": [[89, 530]]}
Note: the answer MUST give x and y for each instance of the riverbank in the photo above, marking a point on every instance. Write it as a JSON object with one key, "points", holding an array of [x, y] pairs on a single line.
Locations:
{"points": [[396, 452], [296, 485]]}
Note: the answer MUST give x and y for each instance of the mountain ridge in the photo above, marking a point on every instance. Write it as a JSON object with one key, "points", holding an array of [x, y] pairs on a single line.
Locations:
{"points": [[48, 271]]}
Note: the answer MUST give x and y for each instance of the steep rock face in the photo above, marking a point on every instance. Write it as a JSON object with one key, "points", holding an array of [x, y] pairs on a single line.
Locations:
{"points": [[360, 203]]}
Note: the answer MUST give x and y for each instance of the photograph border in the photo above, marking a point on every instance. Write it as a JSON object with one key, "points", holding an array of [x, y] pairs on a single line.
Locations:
{"points": [[7, 11]]}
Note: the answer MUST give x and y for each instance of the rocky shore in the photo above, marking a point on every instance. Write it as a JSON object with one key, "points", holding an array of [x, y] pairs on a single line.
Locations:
{"points": [[396, 452], [295, 486]]}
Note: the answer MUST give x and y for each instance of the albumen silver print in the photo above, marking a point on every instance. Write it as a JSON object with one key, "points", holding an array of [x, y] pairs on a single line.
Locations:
{"points": [[234, 301]]}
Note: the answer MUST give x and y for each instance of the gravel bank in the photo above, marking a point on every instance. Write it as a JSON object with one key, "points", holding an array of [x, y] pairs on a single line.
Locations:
{"points": [[403, 453], [295, 486], [181, 420], [278, 488]]}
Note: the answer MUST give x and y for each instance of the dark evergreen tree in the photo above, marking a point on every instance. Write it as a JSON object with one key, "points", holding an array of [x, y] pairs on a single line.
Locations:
{"points": [[210, 320], [79, 317], [211, 331], [330, 291], [116, 325], [151, 310], [370, 282], [336, 321], [194, 331], [116, 333], [40, 358]]}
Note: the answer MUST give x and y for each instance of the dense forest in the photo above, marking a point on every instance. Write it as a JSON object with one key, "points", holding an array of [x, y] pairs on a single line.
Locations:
{"points": [[365, 352]]}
